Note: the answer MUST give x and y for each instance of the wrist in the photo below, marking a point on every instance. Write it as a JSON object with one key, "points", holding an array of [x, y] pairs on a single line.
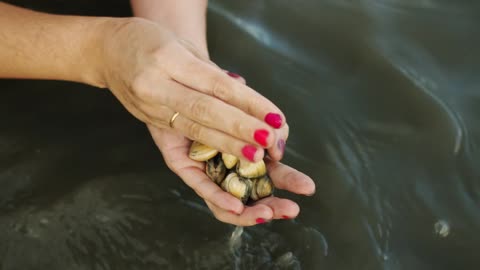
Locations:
{"points": [[95, 49], [185, 18]]}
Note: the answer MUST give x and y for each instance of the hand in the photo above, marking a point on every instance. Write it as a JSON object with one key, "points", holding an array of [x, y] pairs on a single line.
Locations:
{"points": [[225, 207], [175, 146], [154, 74]]}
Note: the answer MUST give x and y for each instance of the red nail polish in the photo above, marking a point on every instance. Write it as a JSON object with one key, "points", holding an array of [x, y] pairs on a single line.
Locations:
{"points": [[285, 217], [260, 220], [261, 136], [249, 151], [233, 75], [281, 145], [274, 120]]}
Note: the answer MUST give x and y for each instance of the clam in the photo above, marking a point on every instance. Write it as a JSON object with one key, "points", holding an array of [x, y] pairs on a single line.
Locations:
{"points": [[216, 169], [201, 152], [251, 170], [237, 186], [244, 180], [262, 187], [229, 160]]}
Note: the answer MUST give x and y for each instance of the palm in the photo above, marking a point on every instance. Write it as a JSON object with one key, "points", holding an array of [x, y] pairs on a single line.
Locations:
{"points": [[175, 147]]}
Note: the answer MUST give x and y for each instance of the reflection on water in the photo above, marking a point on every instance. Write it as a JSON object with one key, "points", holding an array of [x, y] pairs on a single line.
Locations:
{"points": [[383, 101]]}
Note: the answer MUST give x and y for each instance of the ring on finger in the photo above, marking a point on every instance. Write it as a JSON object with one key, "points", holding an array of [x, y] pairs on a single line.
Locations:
{"points": [[175, 115]]}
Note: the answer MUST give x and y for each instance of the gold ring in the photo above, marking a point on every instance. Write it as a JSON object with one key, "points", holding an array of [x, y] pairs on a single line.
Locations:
{"points": [[173, 119]]}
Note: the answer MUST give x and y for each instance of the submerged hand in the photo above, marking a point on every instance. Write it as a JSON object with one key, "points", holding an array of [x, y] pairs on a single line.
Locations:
{"points": [[225, 207]]}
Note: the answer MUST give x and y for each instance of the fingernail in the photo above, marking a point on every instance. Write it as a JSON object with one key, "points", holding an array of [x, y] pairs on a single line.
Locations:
{"points": [[285, 217], [274, 120], [233, 75], [261, 136], [260, 220], [233, 212], [249, 151], [281, 145]]}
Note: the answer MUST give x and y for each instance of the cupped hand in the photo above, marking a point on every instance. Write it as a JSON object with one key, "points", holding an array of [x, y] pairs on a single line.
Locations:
{"points": [[225, 207], [154, 74]]}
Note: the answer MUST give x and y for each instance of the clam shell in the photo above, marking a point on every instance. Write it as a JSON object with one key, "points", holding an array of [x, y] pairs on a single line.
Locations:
{"points": [[229, 160], [201, 152], [262, 187], [216, 169], [251, 170], [237, 186]]}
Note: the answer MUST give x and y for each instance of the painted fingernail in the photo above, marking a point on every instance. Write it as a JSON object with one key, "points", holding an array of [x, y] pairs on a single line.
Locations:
{"points": [[285, 217], [281, 145], [260, 220], [261, 136], [249, 151], [274, 120], [233, 75]]}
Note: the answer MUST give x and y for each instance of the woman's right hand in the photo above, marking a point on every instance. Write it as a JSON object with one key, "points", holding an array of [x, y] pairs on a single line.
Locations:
{"points": [[155, 74]]}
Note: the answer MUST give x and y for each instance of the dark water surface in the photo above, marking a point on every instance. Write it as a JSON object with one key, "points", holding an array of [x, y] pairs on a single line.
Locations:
{"points": [[383, 100]]}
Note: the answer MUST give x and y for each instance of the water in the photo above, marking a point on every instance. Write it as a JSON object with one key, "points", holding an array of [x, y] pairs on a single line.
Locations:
{"points": [[382, 98]]}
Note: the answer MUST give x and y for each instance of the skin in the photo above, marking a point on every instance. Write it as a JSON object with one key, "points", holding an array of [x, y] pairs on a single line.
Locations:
{"points": [[157, 66], [186, 19]]}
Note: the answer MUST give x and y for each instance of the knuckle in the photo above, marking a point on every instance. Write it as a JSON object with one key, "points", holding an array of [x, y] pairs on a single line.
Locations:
{"points": [[164, 57], [252, 105], [200, 107], [140, 88], [220, 89], [161, 53], [137, 83], [240, 129], [195, 130], [172, 167], [167, 49]]}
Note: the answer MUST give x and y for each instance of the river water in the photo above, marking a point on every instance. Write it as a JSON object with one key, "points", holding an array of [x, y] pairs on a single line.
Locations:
{"points": [[383, 101]]}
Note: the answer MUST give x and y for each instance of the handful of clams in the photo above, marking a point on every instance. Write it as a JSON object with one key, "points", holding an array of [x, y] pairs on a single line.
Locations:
{"points": [[244, 180]]}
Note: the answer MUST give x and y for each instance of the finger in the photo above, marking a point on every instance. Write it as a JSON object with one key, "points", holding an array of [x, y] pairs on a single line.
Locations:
{"points": [[277, 151], [278, 148], [196, 179], [195, 73], [218, 140], [236, 76], [251, 215], [282, 208], [287, 178], [211, 112]]}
